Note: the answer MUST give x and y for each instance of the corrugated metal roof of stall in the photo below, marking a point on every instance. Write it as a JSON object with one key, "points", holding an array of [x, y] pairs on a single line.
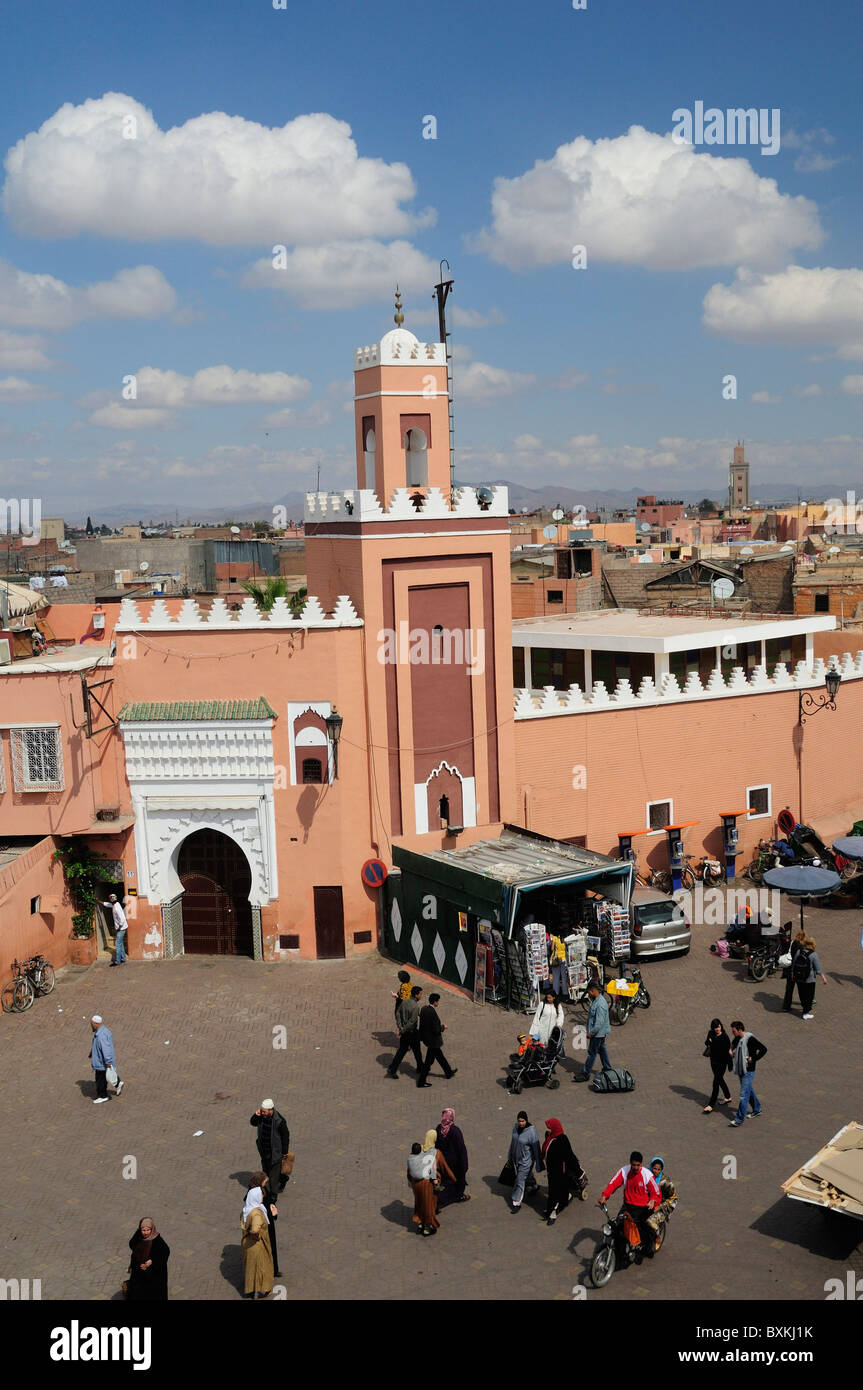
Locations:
{"points": [[519, 858]]}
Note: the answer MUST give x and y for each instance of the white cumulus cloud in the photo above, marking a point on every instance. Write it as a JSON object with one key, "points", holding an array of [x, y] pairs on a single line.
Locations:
{"points": [[14, 390], [794, 305], [217, 386], [641, 199], [41, 301], [343, 274], [23, 352], [479, 382], [218, 179], [765, 398]]}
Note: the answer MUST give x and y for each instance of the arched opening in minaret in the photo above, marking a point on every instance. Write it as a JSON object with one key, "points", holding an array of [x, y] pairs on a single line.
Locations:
{"points": [[416, 458], [369, 458]]}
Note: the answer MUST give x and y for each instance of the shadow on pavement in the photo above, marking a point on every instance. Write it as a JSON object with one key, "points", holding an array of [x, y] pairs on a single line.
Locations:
{"points": [[699, 1097], [231, 1266], [831, 1235], [399, 1213], [387, 1039], [242, 1177], [845, 979]]}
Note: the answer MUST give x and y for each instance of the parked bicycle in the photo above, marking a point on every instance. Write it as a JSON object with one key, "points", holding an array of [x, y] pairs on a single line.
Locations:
{"points": [[660, 879], [31, 977], [765, 858]]}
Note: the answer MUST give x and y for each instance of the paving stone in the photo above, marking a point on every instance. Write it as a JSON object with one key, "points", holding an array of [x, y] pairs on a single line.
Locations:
{"points": [[73, 1211]]}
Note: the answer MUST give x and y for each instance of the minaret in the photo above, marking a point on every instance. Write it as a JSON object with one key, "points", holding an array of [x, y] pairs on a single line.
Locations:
{"points": [[402, 413], [429, 575], [738, 479]]}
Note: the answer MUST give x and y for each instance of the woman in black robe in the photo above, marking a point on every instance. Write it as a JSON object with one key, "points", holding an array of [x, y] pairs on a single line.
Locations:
{"points": [[562, 1168], [148, 1269], [450, 1142]]}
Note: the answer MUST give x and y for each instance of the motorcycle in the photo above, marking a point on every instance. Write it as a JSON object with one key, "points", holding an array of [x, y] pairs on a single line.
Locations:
{"points": [[621, 1245], [622, 1005], [763, 960]]}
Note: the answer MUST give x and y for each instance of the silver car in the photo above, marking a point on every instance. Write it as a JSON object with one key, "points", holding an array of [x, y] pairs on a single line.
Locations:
{"points": [[658, 924]]}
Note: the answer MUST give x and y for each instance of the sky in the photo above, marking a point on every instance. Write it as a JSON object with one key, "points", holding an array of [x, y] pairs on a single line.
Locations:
{"points": [[154, 156]]}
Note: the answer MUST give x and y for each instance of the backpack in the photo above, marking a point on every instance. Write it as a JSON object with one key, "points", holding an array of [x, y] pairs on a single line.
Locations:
{"points": [[800, 967], [614, 1079]]}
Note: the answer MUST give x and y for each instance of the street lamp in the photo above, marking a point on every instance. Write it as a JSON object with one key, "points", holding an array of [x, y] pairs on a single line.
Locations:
{"points": [[809, 704], [334, 723]]}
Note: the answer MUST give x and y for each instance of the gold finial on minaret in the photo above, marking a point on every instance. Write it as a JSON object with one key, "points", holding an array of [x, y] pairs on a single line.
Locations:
{"points": [[398, 316]]}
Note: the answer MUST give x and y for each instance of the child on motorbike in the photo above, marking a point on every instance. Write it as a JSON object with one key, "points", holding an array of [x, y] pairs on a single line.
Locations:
{"points": [[668, 1191]]}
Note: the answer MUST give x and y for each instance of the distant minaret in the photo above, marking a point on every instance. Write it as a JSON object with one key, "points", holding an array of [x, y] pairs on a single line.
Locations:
{"points": [[738, 479]]}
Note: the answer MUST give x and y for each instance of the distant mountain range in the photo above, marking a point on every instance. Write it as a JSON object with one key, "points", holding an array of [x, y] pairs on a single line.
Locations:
{"points": [[533, 498]]}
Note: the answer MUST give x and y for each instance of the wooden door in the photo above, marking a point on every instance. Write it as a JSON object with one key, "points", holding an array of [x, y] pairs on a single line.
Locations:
{"points": [[329, 923], [216, 878]]}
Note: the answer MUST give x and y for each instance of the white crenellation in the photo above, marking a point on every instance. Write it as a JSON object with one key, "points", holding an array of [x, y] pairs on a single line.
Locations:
{"points": [[190, 617], [406, 504], [531, 705]]}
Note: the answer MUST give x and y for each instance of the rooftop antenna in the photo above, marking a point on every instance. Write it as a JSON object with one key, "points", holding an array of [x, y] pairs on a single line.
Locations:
{"points": [[441, 294]]}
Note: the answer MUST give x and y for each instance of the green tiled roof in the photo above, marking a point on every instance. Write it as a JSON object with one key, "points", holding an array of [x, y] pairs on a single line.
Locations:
{"points": [[197, 709]]}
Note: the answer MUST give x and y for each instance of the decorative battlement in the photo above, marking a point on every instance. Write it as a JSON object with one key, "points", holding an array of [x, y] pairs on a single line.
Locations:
{"points": [[574, 701], [406, 504], [399, 348], [190, 617]]}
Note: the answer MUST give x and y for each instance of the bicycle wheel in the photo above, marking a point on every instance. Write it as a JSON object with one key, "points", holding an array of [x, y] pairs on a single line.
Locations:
{"points": [[45, 979], [23, 995], [642, 998], [620, 1010], [687, 878], [639, 881], [662, 881], [758, 968], [755, 871], [710, 878], [8, 999], [581, 1003]]}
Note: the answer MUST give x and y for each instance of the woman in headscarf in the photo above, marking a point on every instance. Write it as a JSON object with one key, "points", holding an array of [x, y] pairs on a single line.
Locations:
{"points": [[717, 1046], [450, 1143], [524, 1152], [668, 1193], [426, 1166], [148, 1270], [261, 1180], [562, 1166], [257, 1255]]}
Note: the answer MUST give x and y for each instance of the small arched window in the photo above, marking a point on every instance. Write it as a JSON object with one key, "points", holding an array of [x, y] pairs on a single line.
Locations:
{"points": [[416, 458], [369, 458], [313, 770]]}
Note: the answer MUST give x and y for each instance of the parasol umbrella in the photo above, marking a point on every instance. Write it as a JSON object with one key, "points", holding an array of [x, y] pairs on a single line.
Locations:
{"points": [[849, 845], [802, 881]]}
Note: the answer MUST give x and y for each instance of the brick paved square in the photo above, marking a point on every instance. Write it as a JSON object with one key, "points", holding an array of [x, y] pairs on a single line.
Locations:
{"points": [[194, 1042]]}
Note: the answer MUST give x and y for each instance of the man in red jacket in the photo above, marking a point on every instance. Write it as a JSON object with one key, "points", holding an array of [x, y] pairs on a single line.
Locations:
{"points": [[641, 1195]]}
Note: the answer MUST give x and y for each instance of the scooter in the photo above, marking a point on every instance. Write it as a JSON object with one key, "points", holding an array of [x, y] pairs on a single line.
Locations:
{"points": [[623, 1005], [621, 1245]]}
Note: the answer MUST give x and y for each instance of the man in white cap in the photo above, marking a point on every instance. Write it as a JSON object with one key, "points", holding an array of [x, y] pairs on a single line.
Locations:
{"points": [[101, 1058], [120, 926], [273, 1141]]}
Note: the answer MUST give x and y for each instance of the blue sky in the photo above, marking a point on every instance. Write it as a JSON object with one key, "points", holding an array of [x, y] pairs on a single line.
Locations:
{"points": [[553, 130]]}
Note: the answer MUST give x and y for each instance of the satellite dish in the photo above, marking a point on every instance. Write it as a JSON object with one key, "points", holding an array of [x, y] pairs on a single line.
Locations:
{"points": [[722, 588], [557, 514], [835, 550], [235, 530], [524, 511], [143, 567], [787, 550], [550, 533], [484, 497], [645, 526], [747, 550]]}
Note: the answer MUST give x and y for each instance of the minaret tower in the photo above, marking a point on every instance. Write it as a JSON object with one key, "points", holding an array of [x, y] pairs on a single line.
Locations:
{"points": [[738, 479], [429, 575]]}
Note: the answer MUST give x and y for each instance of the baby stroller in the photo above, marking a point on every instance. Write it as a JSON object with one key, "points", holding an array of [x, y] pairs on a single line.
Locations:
{"points": [[534, 1065]]}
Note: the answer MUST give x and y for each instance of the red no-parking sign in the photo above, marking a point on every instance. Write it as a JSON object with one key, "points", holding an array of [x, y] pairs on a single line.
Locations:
{"points": [[374, 872]]}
